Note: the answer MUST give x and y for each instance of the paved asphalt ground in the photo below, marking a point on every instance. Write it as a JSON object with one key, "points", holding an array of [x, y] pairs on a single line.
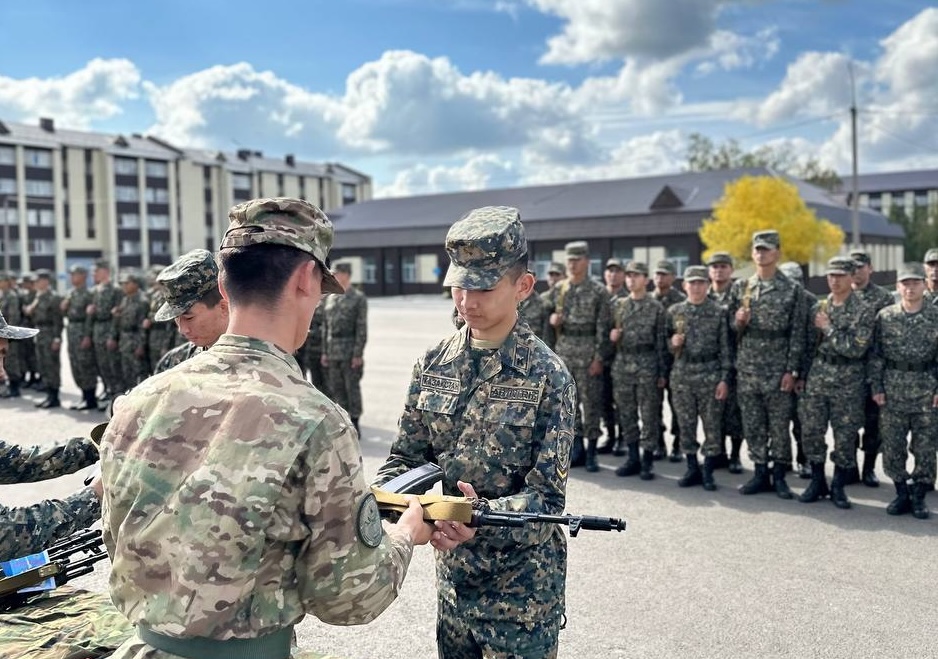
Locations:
{"points": [[696, 574]]}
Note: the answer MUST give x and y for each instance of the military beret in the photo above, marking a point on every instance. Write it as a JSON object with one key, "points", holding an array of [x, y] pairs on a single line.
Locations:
{"points": [[483, 245], [185, 282]]}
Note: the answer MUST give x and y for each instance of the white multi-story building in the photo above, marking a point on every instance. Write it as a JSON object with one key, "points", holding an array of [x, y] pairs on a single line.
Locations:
{"points": [[71, 197]]}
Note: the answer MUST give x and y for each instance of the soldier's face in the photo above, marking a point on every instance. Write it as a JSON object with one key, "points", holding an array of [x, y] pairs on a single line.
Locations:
{"points": [[636, 282], [78, 279], [764, 256], [554, 277], [577, 267], [720, 273], [101, 275], [203, 325], [42, 284], [861, 276], [931, 270], [696, 290], [491, 314], [839, 284], [911, 290], [614, 277], [663, 281]]}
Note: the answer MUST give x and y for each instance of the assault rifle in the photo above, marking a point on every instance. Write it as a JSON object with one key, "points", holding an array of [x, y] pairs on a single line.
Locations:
{"points": [[472, 512], [72, 557]]}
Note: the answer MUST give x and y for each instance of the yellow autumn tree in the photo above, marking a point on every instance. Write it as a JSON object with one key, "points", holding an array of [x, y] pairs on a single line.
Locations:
{"points": [[756, 203]]}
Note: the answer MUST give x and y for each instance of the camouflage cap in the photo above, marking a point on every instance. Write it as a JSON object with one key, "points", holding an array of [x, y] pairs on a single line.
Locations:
{"points": [[720, 257], [185, 282], [284, 221], [696, 273], [14, 332], [769, 239], [841, 265], [931, 256], [483, 245], [78, 268], [577, 249], [44, 273], [614, 263], [910, 271], [345, 267], [557, 269], [130, 276], [636, 267], [27, 277], [102, 263], [665, 267], [861, 257], [793, 271]]}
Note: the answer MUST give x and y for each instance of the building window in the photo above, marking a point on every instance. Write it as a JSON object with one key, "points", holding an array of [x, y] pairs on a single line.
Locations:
{"points": [[279, 185], [348, 194], [157, 169], [159, 247], [369, 270], [157, 195], [125, 166], [41, 247], [409, 269], [14, 246], [680, 259], [130, 247], [126, 193], [38, 188], [7, 155], [40, 217], [128, 221], [389, 272], [37, 157], [624, 254], [7, 186], [241, 181], [158, 222]]}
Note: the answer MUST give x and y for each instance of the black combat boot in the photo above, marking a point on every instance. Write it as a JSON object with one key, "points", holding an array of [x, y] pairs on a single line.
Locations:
{"points": [[817, 488], [619, 449], [592, 464], [838, 496], [852, 475], [89, 402], [735, 466], [721, 461], [709, 465], [662, 450], [51, 401], [778, 478], [13, 389], [355, 423], [692, 476], [675, 455], [760, 481], [805, 471], [633, 465], [648, 466], [869, 469], [577, 452], [919, 509], [902, 504]]}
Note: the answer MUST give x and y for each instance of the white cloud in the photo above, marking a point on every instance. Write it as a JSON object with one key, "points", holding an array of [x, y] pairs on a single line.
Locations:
{"points": [[728, 51], [476, 173], [92, 93]]}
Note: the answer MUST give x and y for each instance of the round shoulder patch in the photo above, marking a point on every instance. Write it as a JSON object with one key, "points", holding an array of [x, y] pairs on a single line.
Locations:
{"points": [[569, 399], [368, 523]]}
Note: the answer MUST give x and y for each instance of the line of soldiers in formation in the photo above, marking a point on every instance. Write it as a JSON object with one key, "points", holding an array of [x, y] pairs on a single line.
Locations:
{"points": [[759, 358]]}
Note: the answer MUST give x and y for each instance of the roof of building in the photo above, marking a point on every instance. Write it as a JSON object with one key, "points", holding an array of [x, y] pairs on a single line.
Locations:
{"points": [[921, 179]]}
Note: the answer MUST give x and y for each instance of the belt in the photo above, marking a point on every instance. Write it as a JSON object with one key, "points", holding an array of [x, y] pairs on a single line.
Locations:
{"points": [[699, 359], [909, 367], [578, 333], [271, 646], [838, 360], [639, 349], [766, 334], [343, 336]]}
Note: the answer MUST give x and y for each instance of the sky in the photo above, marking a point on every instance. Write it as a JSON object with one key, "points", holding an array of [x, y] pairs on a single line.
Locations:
{"points": [[431, 96]]}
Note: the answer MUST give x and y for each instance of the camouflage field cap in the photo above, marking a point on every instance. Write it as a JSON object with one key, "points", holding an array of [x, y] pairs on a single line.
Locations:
{"points": [[78, 268], [284, 221], [910, 271], [860, 257], [43, 273], [931, 256], [102, 263], [665, 267], [768, 239], [577, 250], [345, 267], [718, 258], [14, 332], [696, 273], [557, 269], [793, 271], [129, 276], [841, 265], [636, 267], [614, 263], [185, 282], [483, 245]]}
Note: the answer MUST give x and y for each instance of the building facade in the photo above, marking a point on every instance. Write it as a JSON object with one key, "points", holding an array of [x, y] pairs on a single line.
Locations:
{"points": [[906, 190]]}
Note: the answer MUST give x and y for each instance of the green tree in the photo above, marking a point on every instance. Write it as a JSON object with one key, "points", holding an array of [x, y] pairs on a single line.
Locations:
{"points": [[921, 230], [703, 155], [756, 203]]}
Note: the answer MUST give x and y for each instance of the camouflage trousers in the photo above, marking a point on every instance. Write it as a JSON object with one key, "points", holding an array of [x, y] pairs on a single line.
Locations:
{"points": [[14, 364], [871, 441], [49, 360], [30, 363], [108, 361], [637, 399], [133, 368], [610, 414], [590, 394], [459, 636], [345, 386], [693, 398], [840, 406], [895, 424], [81, 359], [766, 415], [731, 421]]}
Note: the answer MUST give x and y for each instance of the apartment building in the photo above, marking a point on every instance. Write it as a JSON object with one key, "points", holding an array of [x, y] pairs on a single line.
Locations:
{"points": [[71, 197], [907, 190]]}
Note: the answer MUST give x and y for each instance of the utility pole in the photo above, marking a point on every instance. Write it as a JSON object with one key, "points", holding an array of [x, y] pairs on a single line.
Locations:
{"points": [[854, 195]]}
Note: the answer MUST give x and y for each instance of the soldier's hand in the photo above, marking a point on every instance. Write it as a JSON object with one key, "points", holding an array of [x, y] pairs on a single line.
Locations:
{"points": [[822, 321], [677, 340], [56, 345], [556, 319], [357, 363], [90, 309], [412, 521], [879, 399], [86, 342], [722, 391], [115, 311], [146, 324], [595, 367], [742, 316], [934, 402], [615, 334], [788, 382], [63, 306], [449, 535], [111, 345]]}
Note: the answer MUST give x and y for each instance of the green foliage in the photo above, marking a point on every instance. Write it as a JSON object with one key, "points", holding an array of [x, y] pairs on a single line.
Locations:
{"points": [[921, 230]]}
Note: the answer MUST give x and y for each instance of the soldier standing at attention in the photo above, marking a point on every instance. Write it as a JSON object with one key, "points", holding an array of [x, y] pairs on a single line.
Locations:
{"points": [[556, 273], [161, 335], [234, 501], [833, 395], [105, 297], [131, 342], [720, 270], [494, 407], [905, 386], [769, 314], [614, 275], [931, 276], [45, 312], [12, 309], [80, 341], [638, 369], [580, 319], [312, 352], [667, 295], [345, 332], [878, 298], [698, 337], [27, 293], [533, 311]]}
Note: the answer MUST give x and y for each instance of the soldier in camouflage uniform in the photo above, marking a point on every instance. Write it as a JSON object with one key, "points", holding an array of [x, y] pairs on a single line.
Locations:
{"points": [[494, 407], [698, 337], [45, 312], [769, 315], [878, 298], [931, 276], [27, 293], [667, 295], [231, 464], [614, 275], [309, 356], [580, 318], [904, 380], [80, 332], [638, 370], [556, 273], [161, 334], [131, 342], [11, 308], [534, 312], [191, 298], [344, 333], [105, 297], [836, 381], [720, 271]]}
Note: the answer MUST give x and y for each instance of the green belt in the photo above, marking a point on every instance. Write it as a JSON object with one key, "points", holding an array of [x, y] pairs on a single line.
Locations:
{"points": [[271, 646]]}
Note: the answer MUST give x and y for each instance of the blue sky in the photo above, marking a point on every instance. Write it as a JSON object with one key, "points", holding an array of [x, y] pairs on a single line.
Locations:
{"points": [[439, 95]]}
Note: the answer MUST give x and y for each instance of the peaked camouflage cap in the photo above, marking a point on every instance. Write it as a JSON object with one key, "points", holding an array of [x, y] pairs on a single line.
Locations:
{"points": [[14, 332], [861, 257], [720, 257], [910, 271], [769, 239], [578, 249], [557, 269], [931, 256], [483, 245], [636, 267], [284, 221], [696, 273], [841, 265], [665, 267], [185, 282]]}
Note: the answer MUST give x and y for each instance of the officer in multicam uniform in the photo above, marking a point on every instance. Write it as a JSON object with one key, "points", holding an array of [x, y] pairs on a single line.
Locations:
{"points": [[698, 338], [192, 301], [836, 381], [638, 370], [720, 271], [494, 407], [614, 276], [904, 380], [105, 297], [580, 319], [131, 342], [11, 308], [80, 330], [234, 501], [45, 312], [556, 273], [667, 295], [344, 333], [878, 298], [769, 315]]}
